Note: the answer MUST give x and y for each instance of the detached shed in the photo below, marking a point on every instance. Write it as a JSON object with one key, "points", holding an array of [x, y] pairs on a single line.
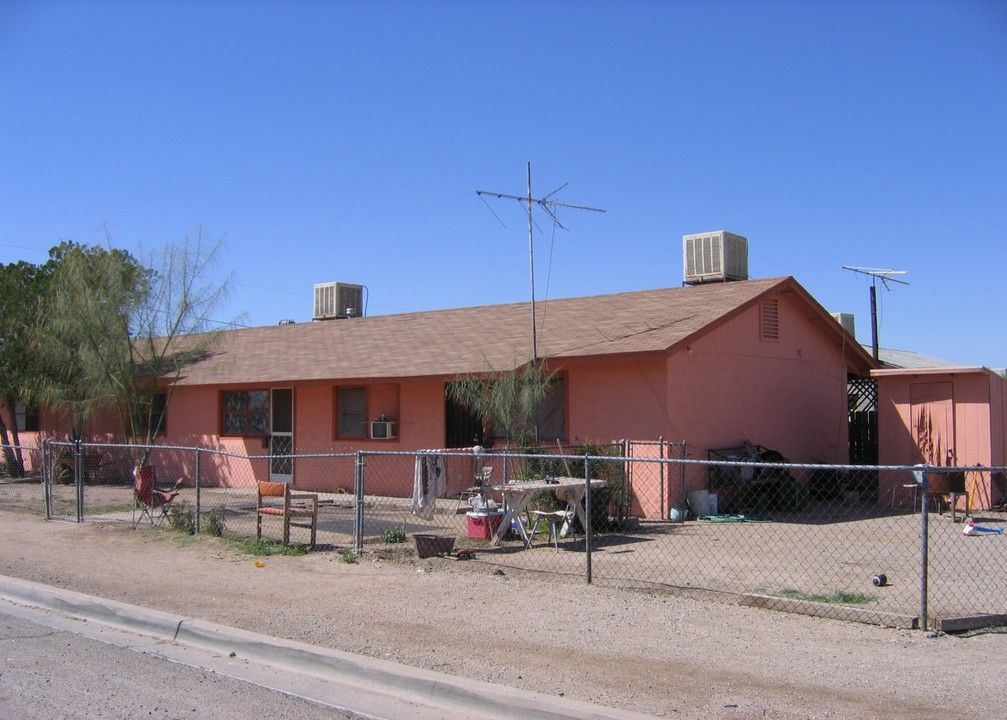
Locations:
{"points": [[959, 412]]}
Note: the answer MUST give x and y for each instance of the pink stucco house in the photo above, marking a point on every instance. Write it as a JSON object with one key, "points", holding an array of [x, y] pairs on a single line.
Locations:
{"points": [[712, 364]]}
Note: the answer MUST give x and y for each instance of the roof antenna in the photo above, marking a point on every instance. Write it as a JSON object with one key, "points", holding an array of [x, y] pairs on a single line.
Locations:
{"points": [[548, 206], [885, 276]]}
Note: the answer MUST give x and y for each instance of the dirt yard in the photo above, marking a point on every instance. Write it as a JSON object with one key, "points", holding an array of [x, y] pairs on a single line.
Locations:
{"points": [[653, 653], [832, 549]]}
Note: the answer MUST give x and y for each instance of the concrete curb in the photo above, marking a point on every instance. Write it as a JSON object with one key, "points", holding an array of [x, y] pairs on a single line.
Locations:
{"points": [[161, 625], [425, 687], [828, 610]]}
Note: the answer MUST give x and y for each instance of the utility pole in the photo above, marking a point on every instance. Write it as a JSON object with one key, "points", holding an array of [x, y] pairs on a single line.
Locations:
{"points": [[549, 206], [885, 276]]}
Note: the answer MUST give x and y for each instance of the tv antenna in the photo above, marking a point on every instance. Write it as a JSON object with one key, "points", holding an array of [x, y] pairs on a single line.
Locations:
{"points": [[885, 276], [549, 206]]}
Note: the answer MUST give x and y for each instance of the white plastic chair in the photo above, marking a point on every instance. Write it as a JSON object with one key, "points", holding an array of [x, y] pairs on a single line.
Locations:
{"points": [[556, 520]]}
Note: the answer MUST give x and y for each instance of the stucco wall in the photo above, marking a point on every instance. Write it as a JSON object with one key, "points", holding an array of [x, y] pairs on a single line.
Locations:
{"points": [[417, 405], [998, 420], [789, 395], [617, 399]]}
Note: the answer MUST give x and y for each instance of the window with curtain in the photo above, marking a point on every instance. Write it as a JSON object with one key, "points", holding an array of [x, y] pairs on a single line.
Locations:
{"points": [[246, 412], [351, 412], [26, 418], [552, 412], [155, 416]]}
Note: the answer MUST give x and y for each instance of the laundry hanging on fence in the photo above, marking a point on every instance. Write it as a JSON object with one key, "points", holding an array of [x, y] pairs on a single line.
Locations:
{"points": [[429, 481]]}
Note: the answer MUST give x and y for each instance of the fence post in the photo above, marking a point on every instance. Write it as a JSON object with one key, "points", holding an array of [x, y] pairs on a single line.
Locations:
{"points": [[47, 477], [587, 519], [78, 477], [664, 506], [681, 477], [924, 547], [198, 494], [358, 492]]}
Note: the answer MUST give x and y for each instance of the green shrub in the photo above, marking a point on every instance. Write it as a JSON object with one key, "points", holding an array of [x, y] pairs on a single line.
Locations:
{"points": [[182, 518], [840, 597], [263, 546], [393, 535], [347, 556], [213, 522]]}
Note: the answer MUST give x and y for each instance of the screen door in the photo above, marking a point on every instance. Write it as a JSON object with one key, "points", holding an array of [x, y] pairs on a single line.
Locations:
{"points": [[281, 435]]}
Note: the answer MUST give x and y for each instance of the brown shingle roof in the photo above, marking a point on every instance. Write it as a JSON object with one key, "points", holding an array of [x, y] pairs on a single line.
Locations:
{"points": [[473, 339]]}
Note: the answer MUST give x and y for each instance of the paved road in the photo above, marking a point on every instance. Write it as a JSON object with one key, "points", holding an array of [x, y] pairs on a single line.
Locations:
{"points": [[48, 670]]}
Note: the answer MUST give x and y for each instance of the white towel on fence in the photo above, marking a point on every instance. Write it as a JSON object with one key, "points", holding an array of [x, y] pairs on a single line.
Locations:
{"points": [[429, 481]]}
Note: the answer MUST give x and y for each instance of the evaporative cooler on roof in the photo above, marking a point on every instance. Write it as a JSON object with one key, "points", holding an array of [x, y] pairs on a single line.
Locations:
{"points": [[338, 300], [714, 257]]}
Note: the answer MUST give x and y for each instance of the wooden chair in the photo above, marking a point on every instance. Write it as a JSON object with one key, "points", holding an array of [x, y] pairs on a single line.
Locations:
{"points": [[303, 515]]}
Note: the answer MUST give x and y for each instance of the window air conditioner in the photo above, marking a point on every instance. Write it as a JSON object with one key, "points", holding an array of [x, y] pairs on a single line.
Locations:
{"points": [[383, 430]]}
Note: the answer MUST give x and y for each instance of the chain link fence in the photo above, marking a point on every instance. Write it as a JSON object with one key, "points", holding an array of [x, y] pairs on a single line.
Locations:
{"points": [[876, 544]]}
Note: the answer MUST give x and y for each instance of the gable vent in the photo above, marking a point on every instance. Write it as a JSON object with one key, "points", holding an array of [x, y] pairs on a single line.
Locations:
{"points": [[338, 300], [769, 321]]}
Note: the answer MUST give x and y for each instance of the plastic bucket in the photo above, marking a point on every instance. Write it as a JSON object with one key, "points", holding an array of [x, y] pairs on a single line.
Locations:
{"points": [[699, 502]]}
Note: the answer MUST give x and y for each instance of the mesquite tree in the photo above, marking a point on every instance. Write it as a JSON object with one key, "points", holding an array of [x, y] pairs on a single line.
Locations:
{"points": [[22, 287], [118, 333]]}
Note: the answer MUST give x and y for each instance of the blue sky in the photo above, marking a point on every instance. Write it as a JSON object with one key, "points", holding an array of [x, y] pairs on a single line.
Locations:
{"points": [[346, 141]]}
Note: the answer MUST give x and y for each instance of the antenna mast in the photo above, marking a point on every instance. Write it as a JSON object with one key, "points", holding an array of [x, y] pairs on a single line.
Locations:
{"points": [[885, 276], [548, 206]]}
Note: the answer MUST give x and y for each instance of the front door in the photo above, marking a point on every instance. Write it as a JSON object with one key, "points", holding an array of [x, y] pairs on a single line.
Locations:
{"points": [[463, 428], [281, 435]]}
